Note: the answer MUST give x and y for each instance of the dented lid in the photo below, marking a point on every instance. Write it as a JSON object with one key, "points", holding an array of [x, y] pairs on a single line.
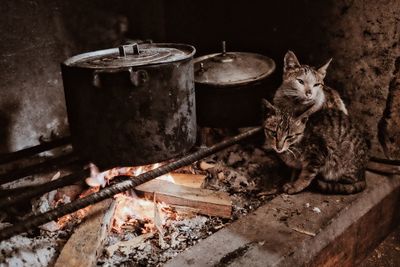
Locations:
{"points": [[232, 68], [132, 55]]}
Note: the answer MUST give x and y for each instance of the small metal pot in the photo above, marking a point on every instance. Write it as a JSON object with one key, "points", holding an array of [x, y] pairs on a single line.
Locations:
{"points": [[229, 88], [131, 105]]}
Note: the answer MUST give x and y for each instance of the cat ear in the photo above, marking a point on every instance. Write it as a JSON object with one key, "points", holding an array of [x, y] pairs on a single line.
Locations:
{"points": [[268, 108], [290, 61], [322, 69], [303, 118]]}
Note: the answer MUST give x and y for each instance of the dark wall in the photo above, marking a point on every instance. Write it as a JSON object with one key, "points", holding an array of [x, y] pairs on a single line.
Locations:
{"points": [[37, 35], [267, 27]]}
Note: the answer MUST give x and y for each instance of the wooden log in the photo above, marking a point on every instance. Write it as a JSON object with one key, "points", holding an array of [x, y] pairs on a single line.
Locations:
{"points": [[85, 244], [206, 201]]}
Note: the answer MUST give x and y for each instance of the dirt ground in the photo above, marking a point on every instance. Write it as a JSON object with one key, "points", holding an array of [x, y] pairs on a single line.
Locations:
{"points": [[387, 254]]}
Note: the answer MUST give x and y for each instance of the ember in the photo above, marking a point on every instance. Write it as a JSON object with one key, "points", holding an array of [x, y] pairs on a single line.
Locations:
{"points": [[130, 209]]}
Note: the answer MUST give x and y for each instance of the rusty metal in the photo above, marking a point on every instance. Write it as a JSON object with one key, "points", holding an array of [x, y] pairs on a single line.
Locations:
{"points": [[28, 152], [11, 197], [386, 161], [131, 106], [129, 183], [45, 166], [230, 86]]}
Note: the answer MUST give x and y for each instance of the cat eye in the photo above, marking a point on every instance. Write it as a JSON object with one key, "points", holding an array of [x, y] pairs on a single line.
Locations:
{"points": [[317, 84], [300, 81], [270, 132], [292, 136]]}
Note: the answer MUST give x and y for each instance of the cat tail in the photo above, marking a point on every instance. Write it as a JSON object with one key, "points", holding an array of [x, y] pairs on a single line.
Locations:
{"points": [[341, 188]]}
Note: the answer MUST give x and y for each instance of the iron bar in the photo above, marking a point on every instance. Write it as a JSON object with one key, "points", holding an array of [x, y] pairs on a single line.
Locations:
{"points": [[8, 198], [48, 165], [125, 185], [386, 161], [27, 152]]}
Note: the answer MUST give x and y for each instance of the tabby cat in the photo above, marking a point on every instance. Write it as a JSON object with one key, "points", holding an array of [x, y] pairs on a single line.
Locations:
{"points": [[323, 145], [303, 87]]}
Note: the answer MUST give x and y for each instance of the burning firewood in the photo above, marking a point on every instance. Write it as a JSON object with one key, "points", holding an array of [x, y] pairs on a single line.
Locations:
{"points": [[185, 179], [208, 202], [85, 244]]}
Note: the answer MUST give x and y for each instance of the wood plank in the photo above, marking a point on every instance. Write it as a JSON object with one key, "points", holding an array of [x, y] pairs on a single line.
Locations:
{"points": [[188, 179], [206, 201], [85, 244]]}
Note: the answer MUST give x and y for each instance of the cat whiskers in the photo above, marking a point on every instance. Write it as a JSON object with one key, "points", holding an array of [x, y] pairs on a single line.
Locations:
{"points": [[291, 151]]}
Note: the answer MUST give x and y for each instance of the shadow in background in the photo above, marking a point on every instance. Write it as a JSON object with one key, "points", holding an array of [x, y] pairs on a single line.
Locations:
{"points": [[7, 115]]}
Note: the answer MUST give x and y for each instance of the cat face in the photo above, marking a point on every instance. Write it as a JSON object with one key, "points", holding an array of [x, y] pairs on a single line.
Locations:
{"points": [[305, 81], [281, 129]]}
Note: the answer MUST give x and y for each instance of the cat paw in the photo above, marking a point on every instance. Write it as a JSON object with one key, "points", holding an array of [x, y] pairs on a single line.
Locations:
{"points": [[289, 188]]}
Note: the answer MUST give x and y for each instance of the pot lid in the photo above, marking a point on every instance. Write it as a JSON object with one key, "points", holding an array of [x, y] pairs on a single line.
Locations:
{"points": [[132, 55], [232, 68]]}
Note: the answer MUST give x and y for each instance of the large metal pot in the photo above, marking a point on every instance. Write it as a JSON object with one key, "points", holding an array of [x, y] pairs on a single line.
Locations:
{"points": [[131, 105], [229, 88]]}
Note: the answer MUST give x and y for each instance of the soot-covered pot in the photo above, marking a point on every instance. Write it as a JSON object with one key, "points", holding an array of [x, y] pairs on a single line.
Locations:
{"points": [[131, 105], [230, 86]]}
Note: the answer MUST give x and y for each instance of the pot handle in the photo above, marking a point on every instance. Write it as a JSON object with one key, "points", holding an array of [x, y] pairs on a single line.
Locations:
{"points": [[136, 77]]}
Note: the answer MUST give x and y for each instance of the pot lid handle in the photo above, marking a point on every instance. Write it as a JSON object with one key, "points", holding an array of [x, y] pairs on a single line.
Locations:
{"points": [[124, 50], [223, 48], [224, 56]]}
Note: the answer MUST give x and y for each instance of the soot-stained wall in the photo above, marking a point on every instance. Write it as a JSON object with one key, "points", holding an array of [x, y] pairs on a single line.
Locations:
{"points": [[36, 36], [361, 36]]}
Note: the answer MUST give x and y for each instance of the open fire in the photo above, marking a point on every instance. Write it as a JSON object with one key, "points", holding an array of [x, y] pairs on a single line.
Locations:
{"points": [[132, 211], [158, 219]]}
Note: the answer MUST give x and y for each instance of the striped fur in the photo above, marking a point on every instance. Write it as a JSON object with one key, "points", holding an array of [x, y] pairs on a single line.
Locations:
{"points": [[326, 146], [303, 87]]}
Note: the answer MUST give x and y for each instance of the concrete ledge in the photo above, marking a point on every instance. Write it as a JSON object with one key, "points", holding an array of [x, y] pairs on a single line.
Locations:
{"points": [[289, 230]]}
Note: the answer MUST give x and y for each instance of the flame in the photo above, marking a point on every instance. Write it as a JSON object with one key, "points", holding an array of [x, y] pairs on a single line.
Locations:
{"points": [[131, 209], [79, 214], [101, 179]]}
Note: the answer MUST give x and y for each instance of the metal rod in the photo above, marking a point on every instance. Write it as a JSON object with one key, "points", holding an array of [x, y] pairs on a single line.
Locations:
{"points": [[8, 198], [48, 165], [125, 185], [27, 152], [386, 161]]}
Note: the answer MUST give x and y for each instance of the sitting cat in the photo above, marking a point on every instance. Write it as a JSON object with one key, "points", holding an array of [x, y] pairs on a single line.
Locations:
{"points": [[303, 87], [324, 145]]}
